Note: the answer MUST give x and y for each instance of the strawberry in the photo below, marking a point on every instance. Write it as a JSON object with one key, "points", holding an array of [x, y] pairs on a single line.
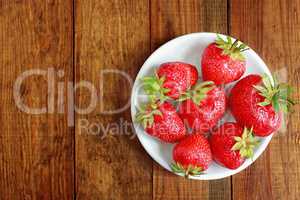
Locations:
{"points": [[192, 155], [255, 101], [202, 107], [172, 79], [231, 145], [161, 121], [223, 61]]}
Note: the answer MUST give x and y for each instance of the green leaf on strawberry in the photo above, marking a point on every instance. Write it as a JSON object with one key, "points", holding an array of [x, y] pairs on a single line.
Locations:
{"points": [[232, 49], [276, 94], [186, 171], [198, 92], [153, 87], [246, 143], [145, 116]]}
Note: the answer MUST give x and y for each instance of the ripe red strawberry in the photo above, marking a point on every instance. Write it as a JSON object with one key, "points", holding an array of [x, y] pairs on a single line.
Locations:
{"points": [[223, 61], [161, 121], [173, 78], [192, 155], [231, 145], [255, 101], [202, 107]]}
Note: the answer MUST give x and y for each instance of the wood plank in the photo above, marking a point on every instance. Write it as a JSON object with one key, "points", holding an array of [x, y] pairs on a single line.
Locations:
{"points": [[272, 28], [168, 20], [36, 151], [110, 35]]}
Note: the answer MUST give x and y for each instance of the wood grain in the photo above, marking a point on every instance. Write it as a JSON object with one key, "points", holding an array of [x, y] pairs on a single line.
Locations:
{"points": [[272, 28], [168, 20], [110, 35], [36, 151]]}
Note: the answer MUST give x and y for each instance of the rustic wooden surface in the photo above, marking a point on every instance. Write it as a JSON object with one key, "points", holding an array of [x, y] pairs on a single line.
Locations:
{"points": [[110, 35], [43, 157], [36, 151]]}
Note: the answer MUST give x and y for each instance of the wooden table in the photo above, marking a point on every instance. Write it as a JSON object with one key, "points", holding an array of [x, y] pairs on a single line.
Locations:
{"points": [[50, 156]]}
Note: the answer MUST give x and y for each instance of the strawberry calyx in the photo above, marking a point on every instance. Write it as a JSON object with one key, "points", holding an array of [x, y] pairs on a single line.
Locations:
{"points": [[153, 87], [232, 49], [246, 143], [190, 170], [146, 113], [276, 94], [198, 92]]}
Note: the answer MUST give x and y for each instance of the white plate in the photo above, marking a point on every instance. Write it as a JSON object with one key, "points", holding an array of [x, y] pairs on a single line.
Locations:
{"points": [[189, 48]]}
